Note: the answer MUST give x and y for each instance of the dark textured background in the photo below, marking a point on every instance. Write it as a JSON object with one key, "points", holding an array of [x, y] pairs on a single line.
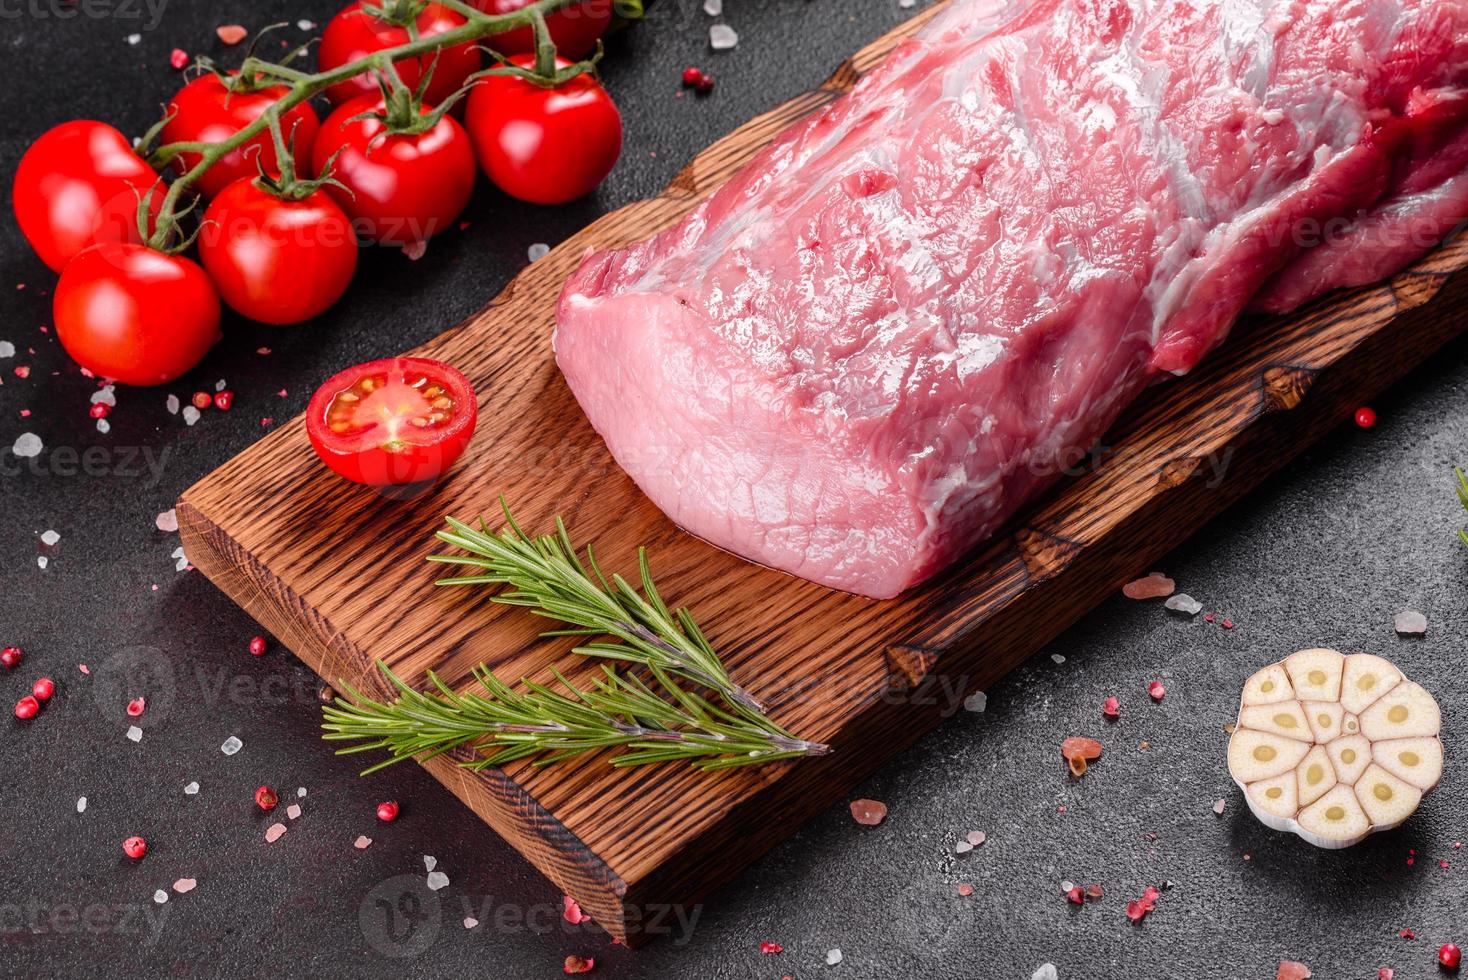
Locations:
{"points": [[1361, 528]]}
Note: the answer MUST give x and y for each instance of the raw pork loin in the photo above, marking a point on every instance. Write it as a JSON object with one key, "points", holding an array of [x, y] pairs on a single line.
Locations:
{"points": [[860, 356]]}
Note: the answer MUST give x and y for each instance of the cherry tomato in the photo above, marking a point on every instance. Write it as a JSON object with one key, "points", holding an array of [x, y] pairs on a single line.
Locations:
{"points": [[206, 111], [544, 145], [575, 29], [355, 33], [394, 421], [275, 260], [126, 312], [401, 189], [77, 185]]}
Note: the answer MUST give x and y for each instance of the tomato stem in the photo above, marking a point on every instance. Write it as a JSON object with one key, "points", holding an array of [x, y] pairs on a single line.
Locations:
{"points": [[304, 86]]}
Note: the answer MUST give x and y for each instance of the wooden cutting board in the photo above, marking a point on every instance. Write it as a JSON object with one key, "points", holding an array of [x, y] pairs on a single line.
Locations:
{"points": [[337, 572]]}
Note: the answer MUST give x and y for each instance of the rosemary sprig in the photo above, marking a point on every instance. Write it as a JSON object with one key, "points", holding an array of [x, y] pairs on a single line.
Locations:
{"points": [[505, 724], [1462, 487], [546, 574], [618, 709]]}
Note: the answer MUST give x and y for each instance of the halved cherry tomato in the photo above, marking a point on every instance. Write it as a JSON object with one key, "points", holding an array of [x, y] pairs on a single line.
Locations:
{"points": [[274, 260], [544, 145], [206, 111], [393, 421], [575, 29], [126, 312], [356, 33], [400, 189], [80, 184]]}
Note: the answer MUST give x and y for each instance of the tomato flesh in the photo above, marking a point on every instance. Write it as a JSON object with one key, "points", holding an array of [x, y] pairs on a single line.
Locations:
{"points": [[393, 421]]}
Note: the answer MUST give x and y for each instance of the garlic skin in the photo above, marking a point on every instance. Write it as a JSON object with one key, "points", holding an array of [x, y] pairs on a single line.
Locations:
{"points": [[1334, 747]]}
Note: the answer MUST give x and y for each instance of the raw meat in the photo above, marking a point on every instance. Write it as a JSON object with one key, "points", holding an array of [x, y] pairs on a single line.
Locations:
{"points": [[903, 318]]}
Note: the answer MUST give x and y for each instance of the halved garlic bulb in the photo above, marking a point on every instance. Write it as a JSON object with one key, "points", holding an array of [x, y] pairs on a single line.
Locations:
{"points": [[1334, 747]]}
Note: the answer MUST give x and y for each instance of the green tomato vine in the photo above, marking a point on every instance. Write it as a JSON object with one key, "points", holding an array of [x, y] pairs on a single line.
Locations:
{"points": [[163, 232]]}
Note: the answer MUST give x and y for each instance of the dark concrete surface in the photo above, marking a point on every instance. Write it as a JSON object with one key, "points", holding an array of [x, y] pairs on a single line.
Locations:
{"points": [[1359, 529]]}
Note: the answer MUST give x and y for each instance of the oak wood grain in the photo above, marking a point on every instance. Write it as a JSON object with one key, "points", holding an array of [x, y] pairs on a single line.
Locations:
{"points": [[293, 544]]}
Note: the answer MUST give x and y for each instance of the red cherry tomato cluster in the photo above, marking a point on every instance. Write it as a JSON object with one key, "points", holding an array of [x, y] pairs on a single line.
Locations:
{"points": [[278, 241]]}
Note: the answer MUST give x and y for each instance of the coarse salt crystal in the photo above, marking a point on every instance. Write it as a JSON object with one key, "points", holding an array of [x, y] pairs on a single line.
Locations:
{"points": [[1218, 807], [104, 426], [1410, 622], [962, 847], [7, 349], [42, 561], [1058, 658], [81, 804], [713, 7], [274, 832], [1184, 603], [185, 885], [362, 842], [134, 39], [160, 896], [976, 702], [300, 792], [429, 862], [105, 395], [470, 922], [306, 25], [293, 811], [172, 404], [722, 37], [167, 521], [538, 251], [49, 538], [1045, 972], [415, 250], [190, 415], [437, 880], [833, 956], [191, 789], [134, 733], [27, 445], [231, 745]]}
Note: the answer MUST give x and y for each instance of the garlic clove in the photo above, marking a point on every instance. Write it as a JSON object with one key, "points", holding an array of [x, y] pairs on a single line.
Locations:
{"points": [[1279, 797], [1406, 711], [1350, 755], [1325, 719], [1366, 678], [1253, 756], [1335, 820], [1285, 718], [1316, 776], [1386, 799], [1418, 761], [1316, 674], [1268, 686]]}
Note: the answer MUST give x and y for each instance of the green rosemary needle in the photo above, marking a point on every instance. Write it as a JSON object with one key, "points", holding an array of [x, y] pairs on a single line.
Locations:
{"points": [[665, 720], [1462, 498]]}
